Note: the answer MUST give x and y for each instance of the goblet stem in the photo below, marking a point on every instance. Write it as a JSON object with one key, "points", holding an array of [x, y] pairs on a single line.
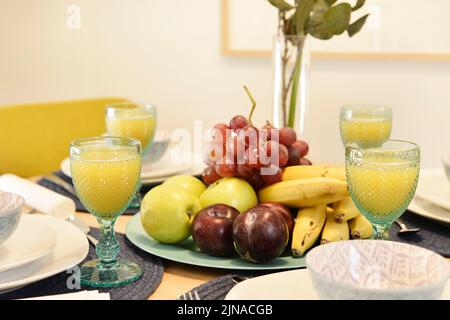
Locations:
{"points": [[108, 248], [381, 232]]}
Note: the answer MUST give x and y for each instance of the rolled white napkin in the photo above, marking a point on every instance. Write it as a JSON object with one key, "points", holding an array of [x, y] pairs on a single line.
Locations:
{"points": [[80, 295], [38, 197]]}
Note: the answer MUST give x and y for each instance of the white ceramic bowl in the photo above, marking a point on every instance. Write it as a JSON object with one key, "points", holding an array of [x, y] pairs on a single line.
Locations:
{"points": [[10, 210], [446, 164], [376, 270]]}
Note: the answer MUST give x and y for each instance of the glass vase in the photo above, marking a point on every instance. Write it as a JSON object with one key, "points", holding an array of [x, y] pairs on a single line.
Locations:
{"points": [[291, 61]]}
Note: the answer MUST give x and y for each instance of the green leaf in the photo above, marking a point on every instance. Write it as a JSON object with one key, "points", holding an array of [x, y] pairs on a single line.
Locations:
{"points": [[320, 6], [356, 26], [330, 2], [358, 5], [337, 18], [315, 22], [318, 31], [319, 9], [281, 5], [303, 13]]}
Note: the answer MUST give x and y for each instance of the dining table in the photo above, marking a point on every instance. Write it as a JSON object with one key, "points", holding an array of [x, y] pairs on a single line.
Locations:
{"points": [[178, 278]]}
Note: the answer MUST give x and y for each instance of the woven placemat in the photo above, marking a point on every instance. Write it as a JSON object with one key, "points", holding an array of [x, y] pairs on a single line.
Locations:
{"points": [[139, 290], [432, 236]]}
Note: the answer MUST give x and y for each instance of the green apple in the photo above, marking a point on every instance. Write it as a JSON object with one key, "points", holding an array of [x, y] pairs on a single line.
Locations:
{"points": [[234, 192], [167, 214], [188, 183]]}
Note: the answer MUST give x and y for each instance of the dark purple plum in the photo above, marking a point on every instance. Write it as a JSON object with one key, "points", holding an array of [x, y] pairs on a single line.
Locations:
{"points": [[283, 211], [260, 234], [212, 230]]}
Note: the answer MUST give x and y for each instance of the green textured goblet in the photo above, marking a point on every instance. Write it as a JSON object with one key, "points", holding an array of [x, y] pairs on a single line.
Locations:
{"points": [[382, 178], [106, 172]]}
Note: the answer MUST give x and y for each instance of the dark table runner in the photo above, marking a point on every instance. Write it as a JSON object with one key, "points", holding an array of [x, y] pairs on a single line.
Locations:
{"points": [[432, 235], [139, 290]]}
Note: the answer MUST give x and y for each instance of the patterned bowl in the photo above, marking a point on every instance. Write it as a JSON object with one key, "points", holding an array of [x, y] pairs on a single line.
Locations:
{"points": [[10, 211], [376, 270]]}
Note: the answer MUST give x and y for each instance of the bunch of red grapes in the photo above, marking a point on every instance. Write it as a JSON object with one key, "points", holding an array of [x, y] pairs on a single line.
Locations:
{"points": [[255, 155]]}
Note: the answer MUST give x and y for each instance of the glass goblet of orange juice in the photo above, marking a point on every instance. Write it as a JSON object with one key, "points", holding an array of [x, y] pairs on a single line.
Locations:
{"points": [[382, 178], [106, 172], [365, 123], [132, 120]]}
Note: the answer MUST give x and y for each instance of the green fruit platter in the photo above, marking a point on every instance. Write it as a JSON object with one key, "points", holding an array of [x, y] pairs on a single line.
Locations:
{"points": [[261, 205], [187, 252]]}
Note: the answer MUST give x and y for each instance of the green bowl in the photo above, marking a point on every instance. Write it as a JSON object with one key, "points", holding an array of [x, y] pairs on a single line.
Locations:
{"points": [[187, 252]]}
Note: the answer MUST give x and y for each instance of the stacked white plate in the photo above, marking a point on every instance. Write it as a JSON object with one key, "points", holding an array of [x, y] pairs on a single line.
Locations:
{"points": [[41, 247], [432, 198], [159, 171]]}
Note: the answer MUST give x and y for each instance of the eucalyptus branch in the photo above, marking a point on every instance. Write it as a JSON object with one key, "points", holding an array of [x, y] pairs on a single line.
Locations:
{"points": [[321, 19], [284, 89], [290, 80], [295, 84]]}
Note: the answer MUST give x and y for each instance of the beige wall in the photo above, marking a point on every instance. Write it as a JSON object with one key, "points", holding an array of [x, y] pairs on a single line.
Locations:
{"points": [[168, 52]]}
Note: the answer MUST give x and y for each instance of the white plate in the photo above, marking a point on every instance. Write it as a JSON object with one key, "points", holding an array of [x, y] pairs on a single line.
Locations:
{"points": [[288, 285], [163, 168], [27, 244], [70, 249], [195, 170], [434, 187], [425, 209]]}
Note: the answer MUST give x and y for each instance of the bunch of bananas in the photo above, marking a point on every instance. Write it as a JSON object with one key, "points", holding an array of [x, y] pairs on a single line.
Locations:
{"points": [[325, 207]]}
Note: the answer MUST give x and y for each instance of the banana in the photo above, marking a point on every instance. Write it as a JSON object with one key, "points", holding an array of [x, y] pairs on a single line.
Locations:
{"points": [[345, 210], [308, 225], [333, 231], [305, 172], [360, 227], [305, 192]]}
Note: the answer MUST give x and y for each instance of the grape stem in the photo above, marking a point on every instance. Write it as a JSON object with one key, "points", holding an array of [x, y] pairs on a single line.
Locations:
{"points": [[253, 105]]}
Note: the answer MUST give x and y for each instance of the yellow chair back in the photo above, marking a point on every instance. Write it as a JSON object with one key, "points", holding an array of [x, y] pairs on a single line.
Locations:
{"points": [[35, 138]]}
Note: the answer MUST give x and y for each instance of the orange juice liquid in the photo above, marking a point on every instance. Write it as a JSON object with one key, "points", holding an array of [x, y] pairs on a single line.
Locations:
{"points": [[365, 128], [106, 179], [138, 127], [383, 190]]}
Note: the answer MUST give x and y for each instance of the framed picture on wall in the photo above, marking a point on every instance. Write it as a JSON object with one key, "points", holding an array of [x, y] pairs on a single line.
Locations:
{"points": [[399, 29]]}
